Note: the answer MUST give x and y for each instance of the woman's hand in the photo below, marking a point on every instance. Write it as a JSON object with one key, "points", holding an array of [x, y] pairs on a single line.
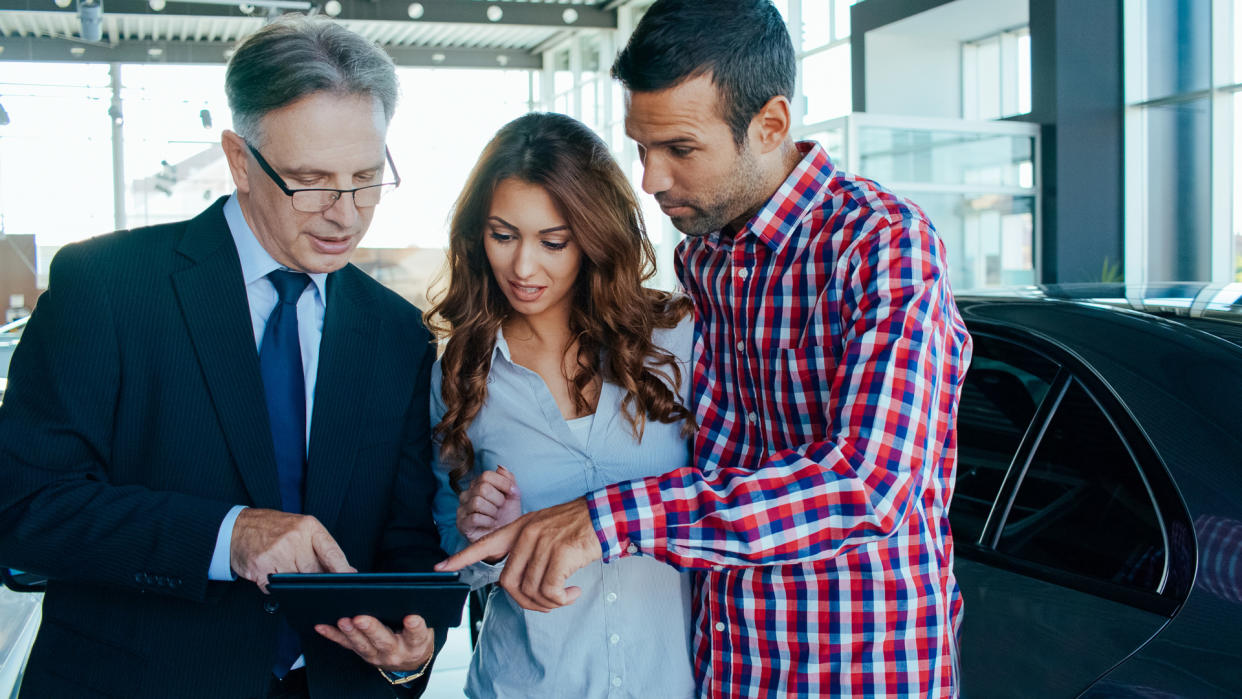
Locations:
{"points": [[492, 501]]}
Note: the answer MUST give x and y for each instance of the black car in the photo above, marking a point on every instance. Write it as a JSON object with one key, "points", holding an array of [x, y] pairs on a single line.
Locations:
{"points": [[1097, 519]]}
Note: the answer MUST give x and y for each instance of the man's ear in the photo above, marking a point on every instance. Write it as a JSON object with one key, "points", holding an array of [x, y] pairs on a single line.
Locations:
{"points": [[770, 127], [236, 153]]}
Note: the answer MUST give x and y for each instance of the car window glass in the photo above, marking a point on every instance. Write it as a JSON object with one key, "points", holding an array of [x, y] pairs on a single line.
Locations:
{"points": [[1003, 387], [1082, 506]]}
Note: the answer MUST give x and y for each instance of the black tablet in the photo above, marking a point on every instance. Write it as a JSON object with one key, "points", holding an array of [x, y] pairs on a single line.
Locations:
{"points": [[307, 599]]}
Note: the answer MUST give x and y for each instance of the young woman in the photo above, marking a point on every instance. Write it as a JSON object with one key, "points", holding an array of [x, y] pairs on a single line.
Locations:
{"points": [[561, 374]]}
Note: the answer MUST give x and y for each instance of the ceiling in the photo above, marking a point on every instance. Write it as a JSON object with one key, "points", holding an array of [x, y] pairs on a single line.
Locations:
{"points": [[448, 33]]}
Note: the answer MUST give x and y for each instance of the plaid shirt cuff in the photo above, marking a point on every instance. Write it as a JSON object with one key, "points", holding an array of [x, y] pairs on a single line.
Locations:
{"points": [[627, 517]]}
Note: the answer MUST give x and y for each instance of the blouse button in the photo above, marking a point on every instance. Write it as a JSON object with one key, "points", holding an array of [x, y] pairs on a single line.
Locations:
{"points": [[611, 597], [616, 680], [614, 639]]}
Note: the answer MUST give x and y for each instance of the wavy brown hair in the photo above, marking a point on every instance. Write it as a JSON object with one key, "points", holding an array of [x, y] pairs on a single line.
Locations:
{"points": [[613, 314]]}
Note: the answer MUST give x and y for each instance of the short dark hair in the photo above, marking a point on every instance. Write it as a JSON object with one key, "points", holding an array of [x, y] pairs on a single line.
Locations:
{"points": [[296, 56], [744, 44]]}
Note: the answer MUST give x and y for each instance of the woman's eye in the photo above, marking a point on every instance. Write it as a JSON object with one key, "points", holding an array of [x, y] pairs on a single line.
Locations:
{"points": [[501, 237], [554, 246]]}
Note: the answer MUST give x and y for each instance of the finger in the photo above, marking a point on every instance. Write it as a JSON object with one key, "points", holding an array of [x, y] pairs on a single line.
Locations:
{"points": [[552, 585], [334, 634], [493, 545], [535, 579], [491, 492], [381, 638], [480, 505], [514, 574], [329, 553], [358, 641]]}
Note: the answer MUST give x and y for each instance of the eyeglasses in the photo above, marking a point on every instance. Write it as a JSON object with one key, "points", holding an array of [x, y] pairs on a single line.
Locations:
{"points": [[320, 199]]}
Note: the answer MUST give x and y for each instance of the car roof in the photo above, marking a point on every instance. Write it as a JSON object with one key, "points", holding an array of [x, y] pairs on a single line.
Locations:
{"points": [[1215, 309]]}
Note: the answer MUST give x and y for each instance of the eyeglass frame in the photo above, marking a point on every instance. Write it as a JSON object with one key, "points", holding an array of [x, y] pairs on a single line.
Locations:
{"points": [[280, 182]]}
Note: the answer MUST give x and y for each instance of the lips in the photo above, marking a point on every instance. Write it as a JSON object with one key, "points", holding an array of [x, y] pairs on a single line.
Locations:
{"points": [[331, 246], [526, 293]]}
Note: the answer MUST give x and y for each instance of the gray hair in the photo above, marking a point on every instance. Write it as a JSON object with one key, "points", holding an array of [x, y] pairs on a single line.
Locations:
{"points": [[296, 56]]}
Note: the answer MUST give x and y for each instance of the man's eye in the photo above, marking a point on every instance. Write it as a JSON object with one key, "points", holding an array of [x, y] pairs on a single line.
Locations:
{"points": [[680, 151]]}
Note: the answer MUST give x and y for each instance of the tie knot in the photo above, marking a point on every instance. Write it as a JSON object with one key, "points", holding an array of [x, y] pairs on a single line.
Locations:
{"points": [[289, 285]]}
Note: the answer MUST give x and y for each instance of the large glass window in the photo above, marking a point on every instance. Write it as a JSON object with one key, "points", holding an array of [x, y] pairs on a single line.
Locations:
{"points": [[1183, 75], [1083, 506], [996, 75], [1005, 385]]}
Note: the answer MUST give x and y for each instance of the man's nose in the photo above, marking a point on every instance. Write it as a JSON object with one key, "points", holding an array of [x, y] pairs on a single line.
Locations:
{"points": [[656, 176], [343, 211]]}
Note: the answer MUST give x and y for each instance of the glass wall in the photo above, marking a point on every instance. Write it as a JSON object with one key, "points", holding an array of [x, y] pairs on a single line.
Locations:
{"points": [[1183, 132], [975, 180]]}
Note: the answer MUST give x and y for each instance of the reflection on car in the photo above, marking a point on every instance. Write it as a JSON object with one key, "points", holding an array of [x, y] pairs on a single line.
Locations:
{"points": [[1097, 517]]}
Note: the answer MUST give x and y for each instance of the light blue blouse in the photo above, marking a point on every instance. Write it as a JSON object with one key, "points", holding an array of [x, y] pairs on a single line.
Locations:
{"points": [[628, 635]]}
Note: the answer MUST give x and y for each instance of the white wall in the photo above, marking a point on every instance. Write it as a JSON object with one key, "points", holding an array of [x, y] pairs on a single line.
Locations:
{"points": [[913, 74]]}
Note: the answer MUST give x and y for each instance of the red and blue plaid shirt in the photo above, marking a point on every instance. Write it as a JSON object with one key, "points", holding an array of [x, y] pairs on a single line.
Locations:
{"points": [[828, 363]]}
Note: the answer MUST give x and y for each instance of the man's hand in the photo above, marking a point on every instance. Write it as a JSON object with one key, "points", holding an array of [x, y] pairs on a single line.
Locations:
{"points": [[271, 541], [544, 549], [378, 645], [492, 501]]}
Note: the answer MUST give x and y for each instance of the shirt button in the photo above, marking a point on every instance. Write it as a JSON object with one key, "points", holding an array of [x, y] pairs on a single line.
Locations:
{"points": [[631, 549], [616, 680], [614, 639], [720, 626], [271, 607], [741, 346], [611, 597], [752, 417], [743, 273]]}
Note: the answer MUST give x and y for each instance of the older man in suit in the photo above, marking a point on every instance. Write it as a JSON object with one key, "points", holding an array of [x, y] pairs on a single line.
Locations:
{"points": [[227, 398]]}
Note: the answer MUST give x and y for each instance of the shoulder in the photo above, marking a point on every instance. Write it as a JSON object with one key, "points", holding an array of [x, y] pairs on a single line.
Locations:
{"points": [[677, 340], [398, 315], [860, 217]]}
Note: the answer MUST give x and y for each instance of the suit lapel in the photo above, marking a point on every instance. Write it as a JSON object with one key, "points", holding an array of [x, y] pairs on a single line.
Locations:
{"points": [[212, 295], [346, 374]]}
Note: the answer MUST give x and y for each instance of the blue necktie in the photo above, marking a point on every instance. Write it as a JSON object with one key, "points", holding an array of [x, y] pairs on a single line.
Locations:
{"points": [[280, 362]]}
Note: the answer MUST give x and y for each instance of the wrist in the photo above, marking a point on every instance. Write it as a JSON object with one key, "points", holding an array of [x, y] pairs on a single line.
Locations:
{"points": [[399, 677]]}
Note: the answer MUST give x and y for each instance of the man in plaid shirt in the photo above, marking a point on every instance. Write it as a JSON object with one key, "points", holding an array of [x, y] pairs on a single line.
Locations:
{"points": [[828, 365]]}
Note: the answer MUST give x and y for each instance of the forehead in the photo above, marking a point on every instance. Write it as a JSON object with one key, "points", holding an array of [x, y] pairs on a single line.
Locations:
{"points": [[325, 128], [525, 204], [690, 108]]}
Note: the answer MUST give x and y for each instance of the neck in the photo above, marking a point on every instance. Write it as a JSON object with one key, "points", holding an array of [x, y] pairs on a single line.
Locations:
{"points": [[545, 331], [781, 164]]}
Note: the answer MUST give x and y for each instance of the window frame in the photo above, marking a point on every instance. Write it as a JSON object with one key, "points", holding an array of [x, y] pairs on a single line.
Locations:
{"points": [[1161, 491]]}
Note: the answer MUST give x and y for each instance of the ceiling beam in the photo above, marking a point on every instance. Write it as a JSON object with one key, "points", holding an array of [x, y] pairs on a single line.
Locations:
{"points": [[502, 12], [179, 52]]}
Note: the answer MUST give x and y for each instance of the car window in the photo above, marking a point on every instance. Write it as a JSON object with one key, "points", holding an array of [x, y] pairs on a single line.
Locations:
{"points": [[1083, 506], [1003, 387]]}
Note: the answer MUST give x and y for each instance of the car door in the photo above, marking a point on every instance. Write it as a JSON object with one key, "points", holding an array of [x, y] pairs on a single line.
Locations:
{"points": [[1061, 549]]}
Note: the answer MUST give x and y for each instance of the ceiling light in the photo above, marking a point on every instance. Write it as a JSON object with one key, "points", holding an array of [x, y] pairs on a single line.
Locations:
{"points": [[157, 5], [438, 57], [570, 16], [62, 4], [155, 52], [495, 14], [332, 8], [77, 50], [416, 10]]}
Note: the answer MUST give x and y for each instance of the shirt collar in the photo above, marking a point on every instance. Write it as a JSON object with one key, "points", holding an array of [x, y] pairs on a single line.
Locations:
{"points": [[502, 346], [800, 191], [256, 262]]}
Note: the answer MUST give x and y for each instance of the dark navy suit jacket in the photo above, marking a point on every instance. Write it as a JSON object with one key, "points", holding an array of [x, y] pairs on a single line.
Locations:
{"points": [[134, 419]]}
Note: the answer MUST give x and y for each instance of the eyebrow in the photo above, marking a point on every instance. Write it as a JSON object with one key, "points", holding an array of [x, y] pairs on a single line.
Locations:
{"points": [[313, 171], [506, 224]]}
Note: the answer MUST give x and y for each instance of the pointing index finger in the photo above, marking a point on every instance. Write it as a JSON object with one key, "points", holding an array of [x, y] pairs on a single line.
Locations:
{"points": [[494, 545]]}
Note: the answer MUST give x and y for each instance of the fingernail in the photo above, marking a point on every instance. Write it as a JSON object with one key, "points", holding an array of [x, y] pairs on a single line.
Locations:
{"points": [[440, 566]]}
